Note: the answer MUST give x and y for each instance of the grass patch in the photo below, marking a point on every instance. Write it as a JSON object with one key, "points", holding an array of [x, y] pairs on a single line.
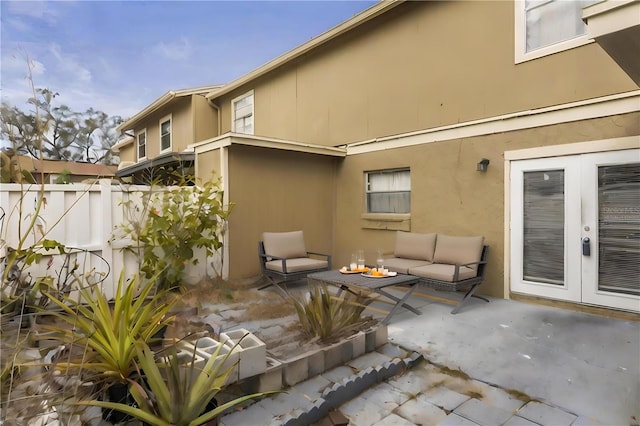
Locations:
{"points": [[271, 310]]}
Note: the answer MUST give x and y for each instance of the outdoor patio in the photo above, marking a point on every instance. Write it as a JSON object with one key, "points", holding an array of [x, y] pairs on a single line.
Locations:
{"points": [[525, 364]]}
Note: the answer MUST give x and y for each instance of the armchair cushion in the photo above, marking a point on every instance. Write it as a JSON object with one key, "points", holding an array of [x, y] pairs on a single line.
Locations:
{"points": [[284, 244], [412, 245], [298, 265], [458, 250]]}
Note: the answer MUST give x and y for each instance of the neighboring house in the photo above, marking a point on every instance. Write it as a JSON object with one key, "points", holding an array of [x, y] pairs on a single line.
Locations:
{"points": [[159, 136], [382, 123], [59, 171]]}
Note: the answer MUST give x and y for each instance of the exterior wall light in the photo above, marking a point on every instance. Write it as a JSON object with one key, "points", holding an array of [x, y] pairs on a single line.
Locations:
{"points": [[482, 165]]}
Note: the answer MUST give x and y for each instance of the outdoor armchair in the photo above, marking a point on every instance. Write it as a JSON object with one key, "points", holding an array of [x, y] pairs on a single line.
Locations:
{"points": [[284, 258]]}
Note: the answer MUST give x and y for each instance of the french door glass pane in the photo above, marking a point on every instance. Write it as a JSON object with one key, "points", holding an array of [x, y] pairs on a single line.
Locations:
{"points": [[543, 256], [619, 228]]}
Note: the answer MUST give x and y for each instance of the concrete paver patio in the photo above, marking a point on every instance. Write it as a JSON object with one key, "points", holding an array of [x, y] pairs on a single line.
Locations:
{"points": [[516, 364]]}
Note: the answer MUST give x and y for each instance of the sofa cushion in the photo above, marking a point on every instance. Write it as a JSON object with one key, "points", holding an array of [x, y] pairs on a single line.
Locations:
{"points": [[299, 264], [442, 272], [401, 265], [412, 245], [284, 244], [458, 250]]}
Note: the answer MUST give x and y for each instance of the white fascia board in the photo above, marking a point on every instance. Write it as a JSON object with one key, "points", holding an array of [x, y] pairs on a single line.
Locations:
{"points": [[575, 111], [251, 140], [611, 16]]}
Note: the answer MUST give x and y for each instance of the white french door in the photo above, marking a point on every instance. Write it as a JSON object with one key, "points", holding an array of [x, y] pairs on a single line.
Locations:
{"points": [[575, 228]]}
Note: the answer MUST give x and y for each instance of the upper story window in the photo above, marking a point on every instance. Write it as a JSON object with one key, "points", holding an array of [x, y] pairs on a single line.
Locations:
{"points": [[165, 134], [141, 139], [242, 114], [388, 191], [544, 27]]}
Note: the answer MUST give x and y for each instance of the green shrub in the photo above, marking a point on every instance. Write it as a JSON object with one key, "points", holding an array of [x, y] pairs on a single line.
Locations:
{"points": [[171, 223]]}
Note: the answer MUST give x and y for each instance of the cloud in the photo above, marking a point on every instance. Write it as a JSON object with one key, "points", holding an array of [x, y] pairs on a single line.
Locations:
{"points": [[16, 65], [178, 50], [19, 24], [39, 10], [69, 65]]}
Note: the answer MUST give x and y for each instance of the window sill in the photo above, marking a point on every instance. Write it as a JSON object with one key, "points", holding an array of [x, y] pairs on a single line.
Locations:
{"points": [[386, 221]]}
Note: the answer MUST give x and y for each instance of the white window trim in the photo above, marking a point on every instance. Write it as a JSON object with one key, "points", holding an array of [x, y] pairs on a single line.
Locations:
{"points": [[168, 118], [520, 27], [146, 145], [233, 111]]}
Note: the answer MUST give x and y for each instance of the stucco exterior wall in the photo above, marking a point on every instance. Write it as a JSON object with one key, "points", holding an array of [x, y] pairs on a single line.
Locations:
{"points": [[205, 119], [208, 165], [181, 127], [448, 195], [128, 152], [418, 66], [276, 191]]}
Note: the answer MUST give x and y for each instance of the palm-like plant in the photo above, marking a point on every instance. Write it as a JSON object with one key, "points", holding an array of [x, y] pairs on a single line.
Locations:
{"points": [[173, 394], [325, 316], [109, 333]]}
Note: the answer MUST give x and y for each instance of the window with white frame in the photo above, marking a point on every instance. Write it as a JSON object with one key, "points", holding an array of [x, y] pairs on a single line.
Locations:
{"points": [[165, 134], [388, 191], [142, 144], [242, 114], [543, 27]]}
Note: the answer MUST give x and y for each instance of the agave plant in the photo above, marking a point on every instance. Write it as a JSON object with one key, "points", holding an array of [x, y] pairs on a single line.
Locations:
{"points": [[175, 394], [110, 332], [326, 316]]}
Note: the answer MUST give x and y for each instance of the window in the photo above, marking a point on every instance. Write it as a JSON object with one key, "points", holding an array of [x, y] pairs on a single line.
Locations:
{"points": [[543, 27], [165, 134], [242, 114], [142, 144], [388, 191]]}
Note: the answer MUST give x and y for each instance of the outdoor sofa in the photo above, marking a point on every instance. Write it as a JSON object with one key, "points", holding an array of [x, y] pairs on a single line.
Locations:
{"points": [[442, 262]]}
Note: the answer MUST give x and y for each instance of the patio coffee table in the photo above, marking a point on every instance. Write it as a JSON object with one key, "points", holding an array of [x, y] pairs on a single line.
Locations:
{"points": [[377, 285]]}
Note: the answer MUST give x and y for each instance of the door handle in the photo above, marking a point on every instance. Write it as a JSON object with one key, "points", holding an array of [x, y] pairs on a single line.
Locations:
{"points": [[586, 246]]}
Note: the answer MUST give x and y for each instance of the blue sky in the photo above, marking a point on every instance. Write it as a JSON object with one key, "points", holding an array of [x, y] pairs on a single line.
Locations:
{"points": [[119, 56]]}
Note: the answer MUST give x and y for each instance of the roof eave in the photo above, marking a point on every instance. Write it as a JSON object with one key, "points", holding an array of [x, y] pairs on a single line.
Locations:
{"points": [[263, 142], [163, 101], [156, 105], [348, 25]]}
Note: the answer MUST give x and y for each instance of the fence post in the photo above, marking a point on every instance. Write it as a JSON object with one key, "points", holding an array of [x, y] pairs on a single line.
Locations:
{"points": [[106, 199]]}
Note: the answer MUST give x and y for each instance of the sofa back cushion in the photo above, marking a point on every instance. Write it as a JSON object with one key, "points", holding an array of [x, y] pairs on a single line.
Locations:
{"points": [[458, 250], [284, 244], [412, 245]]}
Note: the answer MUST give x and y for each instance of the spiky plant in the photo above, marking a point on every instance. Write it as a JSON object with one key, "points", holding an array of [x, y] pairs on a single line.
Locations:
{"points": [[174, 395], [325, 316], [109, 332]]}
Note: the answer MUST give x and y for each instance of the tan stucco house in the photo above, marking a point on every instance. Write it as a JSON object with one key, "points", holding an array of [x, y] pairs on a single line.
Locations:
{"points": [[380, 123], [160, 136]]}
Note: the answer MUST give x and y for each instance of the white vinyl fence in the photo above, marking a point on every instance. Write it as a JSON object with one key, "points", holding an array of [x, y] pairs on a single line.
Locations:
{"points": [[80, 216]]}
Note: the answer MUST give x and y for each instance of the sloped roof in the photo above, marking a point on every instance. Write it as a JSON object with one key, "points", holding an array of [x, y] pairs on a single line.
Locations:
{"points": [[164, 100], [372, 12], [122, 142], [57, 166]]}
